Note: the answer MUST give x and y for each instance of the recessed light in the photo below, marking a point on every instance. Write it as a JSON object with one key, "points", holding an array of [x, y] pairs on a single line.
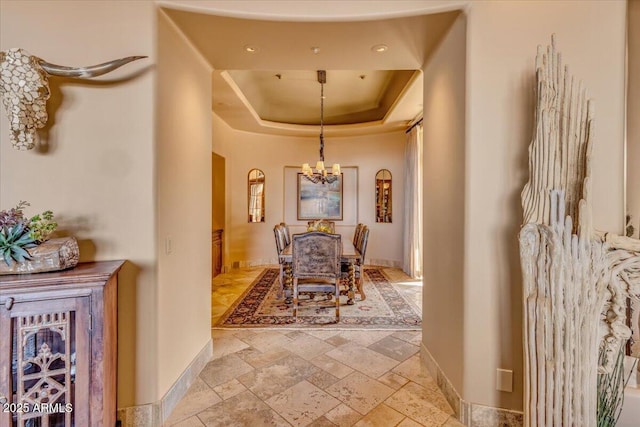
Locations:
{"points": [[315, 49], [379, 48], [250, 49]]}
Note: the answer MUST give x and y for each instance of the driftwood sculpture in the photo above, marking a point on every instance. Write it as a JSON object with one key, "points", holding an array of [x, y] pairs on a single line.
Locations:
{"points": [[24, 89], [576, 280]]}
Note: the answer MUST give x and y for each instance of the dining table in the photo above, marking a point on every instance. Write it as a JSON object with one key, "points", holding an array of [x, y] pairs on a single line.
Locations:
{"points": [[349, 257]]}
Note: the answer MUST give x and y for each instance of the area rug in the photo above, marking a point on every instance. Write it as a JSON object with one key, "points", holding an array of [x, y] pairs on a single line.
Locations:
{"points": [[384, 308]]}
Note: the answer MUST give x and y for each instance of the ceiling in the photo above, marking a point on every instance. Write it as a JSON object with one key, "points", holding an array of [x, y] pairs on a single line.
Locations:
{"points": [[294, 96], [265, 77]]}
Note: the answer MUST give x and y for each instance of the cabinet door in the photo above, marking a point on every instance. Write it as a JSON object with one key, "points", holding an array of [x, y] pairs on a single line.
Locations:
{"points": [[45, 363]]}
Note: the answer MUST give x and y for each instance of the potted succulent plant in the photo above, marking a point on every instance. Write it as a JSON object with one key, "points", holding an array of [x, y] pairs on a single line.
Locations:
{"points": [[25, 244]]}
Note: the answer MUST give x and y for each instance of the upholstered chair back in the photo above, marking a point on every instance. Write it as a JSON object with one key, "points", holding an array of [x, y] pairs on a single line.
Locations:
{"points": [[316, 255], [362, 246], [287, 235], [279, 234], [356, 234]]}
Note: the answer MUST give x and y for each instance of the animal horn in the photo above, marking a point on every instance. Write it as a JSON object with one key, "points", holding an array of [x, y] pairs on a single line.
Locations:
{"points": [[87, 72]]}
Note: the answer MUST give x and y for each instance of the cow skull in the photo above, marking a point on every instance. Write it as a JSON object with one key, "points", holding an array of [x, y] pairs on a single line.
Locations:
{"points": [[24, 89]]}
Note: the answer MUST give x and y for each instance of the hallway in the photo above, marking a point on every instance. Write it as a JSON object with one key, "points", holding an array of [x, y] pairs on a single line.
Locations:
{"points": [[312, 377]]}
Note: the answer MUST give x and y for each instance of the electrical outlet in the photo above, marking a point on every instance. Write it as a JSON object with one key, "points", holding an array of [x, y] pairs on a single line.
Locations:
{"points": [[504, 380]]}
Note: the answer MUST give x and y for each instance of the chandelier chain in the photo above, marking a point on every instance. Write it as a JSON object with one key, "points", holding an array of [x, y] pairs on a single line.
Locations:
{"points": [[322, 120], [320, 175]]}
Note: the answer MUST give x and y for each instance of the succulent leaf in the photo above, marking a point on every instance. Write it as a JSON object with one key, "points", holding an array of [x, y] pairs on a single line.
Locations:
{"points": [[20, 253], [25, 239], [14, 232], [7, 257], [14, 242]]}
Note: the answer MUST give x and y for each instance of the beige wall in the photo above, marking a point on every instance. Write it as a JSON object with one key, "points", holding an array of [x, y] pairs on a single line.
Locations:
{"points": [[97, 174], [633, 117], [443, 208], [502, 39], [254, 242], [96, 170], [183, 203]]}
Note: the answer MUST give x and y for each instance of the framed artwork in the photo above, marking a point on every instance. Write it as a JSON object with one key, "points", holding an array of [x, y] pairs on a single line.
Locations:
{"points": [[318, 200]]}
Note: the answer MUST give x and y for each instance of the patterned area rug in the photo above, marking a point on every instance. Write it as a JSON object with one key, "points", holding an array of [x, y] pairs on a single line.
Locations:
{"points": [[384, 308]]}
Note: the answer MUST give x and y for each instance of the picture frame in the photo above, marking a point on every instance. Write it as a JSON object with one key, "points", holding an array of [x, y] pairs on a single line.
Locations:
{"points": [[318, 200]]}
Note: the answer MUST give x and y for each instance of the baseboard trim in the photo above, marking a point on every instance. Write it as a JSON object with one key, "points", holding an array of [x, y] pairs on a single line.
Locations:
{"points": [[468, 413], [140, 415], [383, 263], [155, 414], [182, 384]]}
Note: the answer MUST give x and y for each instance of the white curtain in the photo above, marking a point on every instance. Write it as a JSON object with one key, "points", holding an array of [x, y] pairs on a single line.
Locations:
{"points": [[255, 203], [412, 235]]}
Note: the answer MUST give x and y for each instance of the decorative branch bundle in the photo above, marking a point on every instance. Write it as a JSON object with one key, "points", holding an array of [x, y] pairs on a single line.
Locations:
{"points": [[575, 283]]}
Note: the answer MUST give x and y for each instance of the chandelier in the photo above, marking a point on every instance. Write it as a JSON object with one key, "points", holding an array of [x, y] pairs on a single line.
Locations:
{"points": [[320, 174]]}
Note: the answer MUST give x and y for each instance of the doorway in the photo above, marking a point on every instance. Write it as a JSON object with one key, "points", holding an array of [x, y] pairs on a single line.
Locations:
{"points": [[218, 205]]}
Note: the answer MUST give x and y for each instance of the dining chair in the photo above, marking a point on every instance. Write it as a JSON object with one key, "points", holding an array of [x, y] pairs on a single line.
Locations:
{"points": [[279, 234], [362, 234], [287, 235], [362, 248], [316, 266], [356, 234]]}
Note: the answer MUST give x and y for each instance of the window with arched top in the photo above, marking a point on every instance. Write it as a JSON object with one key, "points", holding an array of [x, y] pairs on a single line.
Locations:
{"points": [[383, 195], [256, 195]]}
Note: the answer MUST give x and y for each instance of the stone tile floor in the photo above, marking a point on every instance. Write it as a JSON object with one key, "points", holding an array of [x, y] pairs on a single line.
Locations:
{"points": [[315, 378]]}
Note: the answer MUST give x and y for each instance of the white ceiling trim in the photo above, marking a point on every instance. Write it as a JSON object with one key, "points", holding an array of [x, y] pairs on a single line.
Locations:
{"points": [[318, 10]]}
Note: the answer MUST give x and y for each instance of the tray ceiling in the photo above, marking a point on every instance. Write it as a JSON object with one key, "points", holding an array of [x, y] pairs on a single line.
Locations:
{"points": [[264, 77]]}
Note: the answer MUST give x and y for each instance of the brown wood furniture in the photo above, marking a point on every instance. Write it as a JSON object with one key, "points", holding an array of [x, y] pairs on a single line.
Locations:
{"points": [[216, 252], [58, 347]]}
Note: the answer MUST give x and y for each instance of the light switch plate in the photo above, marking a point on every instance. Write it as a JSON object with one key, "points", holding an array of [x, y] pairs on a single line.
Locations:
{"points": [[504, 380]]}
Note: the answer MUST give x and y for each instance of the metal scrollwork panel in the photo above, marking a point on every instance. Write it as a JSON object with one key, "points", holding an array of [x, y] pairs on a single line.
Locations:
{"points": [[44, 369]]}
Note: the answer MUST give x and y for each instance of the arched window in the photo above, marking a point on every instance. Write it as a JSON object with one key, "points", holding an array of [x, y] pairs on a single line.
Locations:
{"points": [[256, 195], [383, 196]]}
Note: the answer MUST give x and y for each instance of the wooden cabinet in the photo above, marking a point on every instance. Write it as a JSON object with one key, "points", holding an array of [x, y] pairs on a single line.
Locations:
{"points": [[216, 252], [58, 347]]}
